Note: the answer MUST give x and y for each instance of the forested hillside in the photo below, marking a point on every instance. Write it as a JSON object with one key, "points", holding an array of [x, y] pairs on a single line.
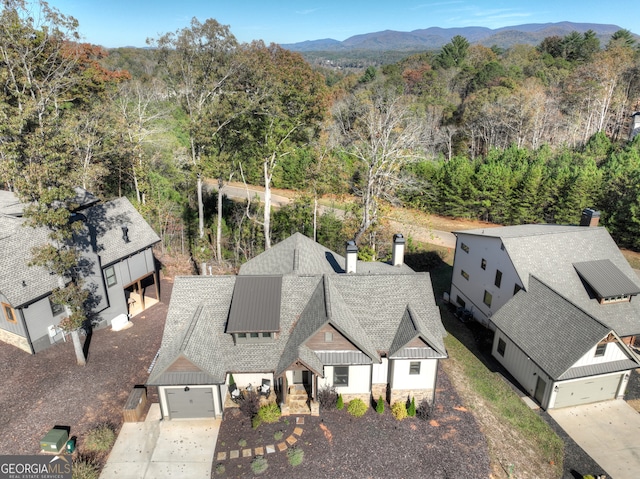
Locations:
{"points": [[525, 135]]}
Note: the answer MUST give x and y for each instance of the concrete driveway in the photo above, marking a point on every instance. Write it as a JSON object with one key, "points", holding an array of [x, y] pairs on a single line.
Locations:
{"points": [[156, 448], [608, 431]]}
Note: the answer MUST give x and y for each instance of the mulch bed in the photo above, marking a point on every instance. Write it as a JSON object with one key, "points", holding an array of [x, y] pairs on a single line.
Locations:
{"points": [[47, 389], [338, 445]]}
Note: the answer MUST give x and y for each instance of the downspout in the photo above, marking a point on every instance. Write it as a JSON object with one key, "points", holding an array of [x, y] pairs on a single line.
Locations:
{"points": [[26, 331]]}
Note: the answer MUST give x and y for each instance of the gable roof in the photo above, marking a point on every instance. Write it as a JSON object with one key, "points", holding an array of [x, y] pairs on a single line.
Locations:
{"points": [[549, 253], [555, 319], [299, 254], [295, 255], [366, 309], [22, 284]]}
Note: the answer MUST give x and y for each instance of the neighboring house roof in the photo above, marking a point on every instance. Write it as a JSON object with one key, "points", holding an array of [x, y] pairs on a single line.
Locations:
{"points": [[299, 254], [367, 309], [563, 332], [22, 284], [107, 219], [550, 253]]}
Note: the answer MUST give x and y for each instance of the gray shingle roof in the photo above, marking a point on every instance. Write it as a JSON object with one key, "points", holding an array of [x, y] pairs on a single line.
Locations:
{"points": [[555, 319], [107, 220], [366, 309], [22, 284], [549, 253], [301, 255]]}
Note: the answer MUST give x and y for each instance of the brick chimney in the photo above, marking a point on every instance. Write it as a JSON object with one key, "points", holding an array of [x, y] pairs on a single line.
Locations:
{"points": [[590, 217], [397, 257], [351, 257]]}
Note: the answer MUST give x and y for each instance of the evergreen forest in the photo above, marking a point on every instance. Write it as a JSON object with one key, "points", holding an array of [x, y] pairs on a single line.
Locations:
{"points": [[530, 134]]}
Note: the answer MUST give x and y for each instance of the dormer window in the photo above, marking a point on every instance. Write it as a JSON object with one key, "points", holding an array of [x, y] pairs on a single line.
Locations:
{"points": [[254, 316], [254, 338], [605, 282]]}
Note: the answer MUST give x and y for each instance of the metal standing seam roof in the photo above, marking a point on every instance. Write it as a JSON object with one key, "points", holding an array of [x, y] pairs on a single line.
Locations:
{"points": [[605, 278], [255, 306]]}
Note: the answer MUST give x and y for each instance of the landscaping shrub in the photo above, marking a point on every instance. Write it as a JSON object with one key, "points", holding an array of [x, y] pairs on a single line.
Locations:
{"points": [[357, 407], [259, 465], [340, 403], [242, 442], [220, 469], [411, 410], [424, 410], [249, 404], [295, 456], [84, 469], [399, 410], [100, 438], [278, 435], [327, 397], [268, 413], [380, 405]]}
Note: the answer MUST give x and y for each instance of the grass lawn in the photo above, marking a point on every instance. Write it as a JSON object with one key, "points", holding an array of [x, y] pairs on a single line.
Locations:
{"points": [[492, 399]]}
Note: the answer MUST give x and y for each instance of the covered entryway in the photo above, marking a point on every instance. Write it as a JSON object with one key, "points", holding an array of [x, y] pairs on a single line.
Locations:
{"points": [[190, 403], [141, 294], [585, 391]]}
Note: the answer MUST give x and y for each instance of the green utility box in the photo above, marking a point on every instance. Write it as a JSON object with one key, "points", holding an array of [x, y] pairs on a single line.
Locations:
{"points": [[55, 440]]}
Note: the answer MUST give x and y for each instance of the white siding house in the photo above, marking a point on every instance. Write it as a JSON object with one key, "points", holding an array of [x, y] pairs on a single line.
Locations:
{"points": [[564, 307], [295, 317]]}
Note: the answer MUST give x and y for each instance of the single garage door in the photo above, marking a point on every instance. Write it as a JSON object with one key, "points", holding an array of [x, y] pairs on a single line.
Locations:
{"points": [[586, 391], [190, 403]]}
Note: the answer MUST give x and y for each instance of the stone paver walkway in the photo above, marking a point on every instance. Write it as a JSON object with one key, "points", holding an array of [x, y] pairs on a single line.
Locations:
{"points": [[260, 450]]}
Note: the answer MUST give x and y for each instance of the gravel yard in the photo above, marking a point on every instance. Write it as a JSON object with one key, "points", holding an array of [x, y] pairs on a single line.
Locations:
{"points": [[450, 444], [47, 389]]}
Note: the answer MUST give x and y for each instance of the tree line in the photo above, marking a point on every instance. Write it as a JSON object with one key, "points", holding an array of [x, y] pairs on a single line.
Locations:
{"points": [[523, 135]]}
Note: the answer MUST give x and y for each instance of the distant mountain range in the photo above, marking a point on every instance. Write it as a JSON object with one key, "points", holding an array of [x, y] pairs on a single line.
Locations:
{"points": [[435, 37]]}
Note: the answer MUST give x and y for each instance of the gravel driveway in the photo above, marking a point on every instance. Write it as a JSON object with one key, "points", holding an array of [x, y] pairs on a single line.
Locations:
{"points": [[47, 389]]}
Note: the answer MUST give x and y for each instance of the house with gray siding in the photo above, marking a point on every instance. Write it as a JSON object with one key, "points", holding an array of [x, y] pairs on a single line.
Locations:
{"points": [[563, 303], [118, 267], [295, 318]]}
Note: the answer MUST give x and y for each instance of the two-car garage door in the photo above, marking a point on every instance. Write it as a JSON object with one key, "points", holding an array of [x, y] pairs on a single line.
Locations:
{"points": [[190, 402], [599, 388]]}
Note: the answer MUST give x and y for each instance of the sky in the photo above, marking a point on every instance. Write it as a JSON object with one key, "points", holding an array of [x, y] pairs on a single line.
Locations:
{"points": [[118, 23]]}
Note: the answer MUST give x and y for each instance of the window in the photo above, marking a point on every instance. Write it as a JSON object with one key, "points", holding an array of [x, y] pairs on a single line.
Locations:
{"points": [[501, 347], [110, 275], [328, 337], [601, 349], [414, 367], [516, 288], [464, 274], [56, 309], [483, 263], [461, 301], [341, 376], [255, 337], [498, 280], [464, 247], [9, 313], [488, 297]]}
